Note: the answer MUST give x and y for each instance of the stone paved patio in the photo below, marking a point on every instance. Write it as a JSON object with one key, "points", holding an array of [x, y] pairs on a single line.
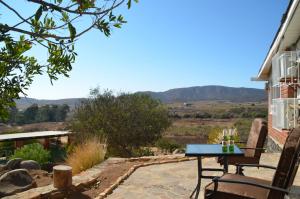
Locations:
{"points": [[177, 180]]}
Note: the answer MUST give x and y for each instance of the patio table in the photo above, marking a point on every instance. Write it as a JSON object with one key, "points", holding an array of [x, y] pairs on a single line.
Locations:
{"points": [[209, 150]]}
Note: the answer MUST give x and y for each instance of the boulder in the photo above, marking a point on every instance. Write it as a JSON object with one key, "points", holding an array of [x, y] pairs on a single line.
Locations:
{"points": [[15, 181], [176, 151], [2, 167], [30, 165], [13, 164]]}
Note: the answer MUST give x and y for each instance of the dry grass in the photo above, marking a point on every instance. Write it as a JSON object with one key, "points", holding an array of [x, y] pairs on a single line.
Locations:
{"points": [[86, 155]]}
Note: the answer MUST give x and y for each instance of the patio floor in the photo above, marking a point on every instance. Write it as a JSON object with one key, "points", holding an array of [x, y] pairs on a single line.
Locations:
{"points": [[177, 180]]}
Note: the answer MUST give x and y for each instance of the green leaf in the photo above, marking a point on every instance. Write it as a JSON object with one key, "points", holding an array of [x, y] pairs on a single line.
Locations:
{"points": [[72, 31], [65, 17], [129, 4], [38, 13], [117, 25]]}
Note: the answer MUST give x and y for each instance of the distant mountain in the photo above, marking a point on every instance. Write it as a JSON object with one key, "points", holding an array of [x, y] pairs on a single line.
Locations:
{"points": [[197, 93], [201, 93], [23, 103]]}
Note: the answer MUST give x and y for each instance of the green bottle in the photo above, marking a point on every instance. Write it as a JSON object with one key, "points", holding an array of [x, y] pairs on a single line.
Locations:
{"points": [[224, 141], [231, 141]]}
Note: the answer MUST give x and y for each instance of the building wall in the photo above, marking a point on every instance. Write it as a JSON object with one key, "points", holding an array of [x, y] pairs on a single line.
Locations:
{"points": [[278, 136], [287, 91]]}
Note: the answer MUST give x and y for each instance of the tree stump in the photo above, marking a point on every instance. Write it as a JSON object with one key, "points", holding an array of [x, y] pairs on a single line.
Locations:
{"points": [[62, 177]]}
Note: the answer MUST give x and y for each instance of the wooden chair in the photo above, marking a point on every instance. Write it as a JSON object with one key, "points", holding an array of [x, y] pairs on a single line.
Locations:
{"points": [[236, 186], [254, 145]]}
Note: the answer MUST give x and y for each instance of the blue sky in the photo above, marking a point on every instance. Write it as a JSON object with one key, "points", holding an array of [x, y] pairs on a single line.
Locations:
{"points": [[171, 43]]}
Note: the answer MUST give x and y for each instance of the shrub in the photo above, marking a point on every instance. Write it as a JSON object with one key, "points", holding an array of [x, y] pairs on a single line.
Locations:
{"points": [[128, 121], [33, 151], [215, 135], [58, 153], [167, 145], [86, 154], [243, 127], [143, 152], [6, 148]]}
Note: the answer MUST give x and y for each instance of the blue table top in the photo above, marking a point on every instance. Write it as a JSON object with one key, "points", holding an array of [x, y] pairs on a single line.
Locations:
{"points": [[210, 150]]}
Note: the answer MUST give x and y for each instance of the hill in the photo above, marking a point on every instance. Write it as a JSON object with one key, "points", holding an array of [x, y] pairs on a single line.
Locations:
{"points": [[201, 93], [197, 93]]}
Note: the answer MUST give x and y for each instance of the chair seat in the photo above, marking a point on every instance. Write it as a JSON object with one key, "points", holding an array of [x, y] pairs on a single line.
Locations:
{"points": [[238, 191], [233, 160]]}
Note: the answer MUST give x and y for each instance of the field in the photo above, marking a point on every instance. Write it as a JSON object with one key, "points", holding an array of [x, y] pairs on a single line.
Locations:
{"points": [[194, 122], [191, 122], [214, 108], [43, 126]]}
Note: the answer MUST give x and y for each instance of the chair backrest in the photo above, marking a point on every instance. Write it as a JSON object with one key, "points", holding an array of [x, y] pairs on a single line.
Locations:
{"points": [[257, 137], [288, 164]]}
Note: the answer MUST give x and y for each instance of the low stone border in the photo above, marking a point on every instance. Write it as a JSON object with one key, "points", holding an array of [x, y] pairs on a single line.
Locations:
{"points": [[109, 190], [89, 177], [84, 179]]}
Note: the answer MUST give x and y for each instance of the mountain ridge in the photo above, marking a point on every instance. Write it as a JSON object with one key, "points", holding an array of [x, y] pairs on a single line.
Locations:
{"points": [[186, 94], [210, 92]]}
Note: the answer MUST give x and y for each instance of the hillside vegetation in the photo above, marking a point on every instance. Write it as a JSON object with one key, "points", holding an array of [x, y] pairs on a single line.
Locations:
{"points": [[200, 93]]}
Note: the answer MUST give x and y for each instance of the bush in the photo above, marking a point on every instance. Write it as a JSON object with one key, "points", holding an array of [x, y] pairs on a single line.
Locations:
{"points": [[34, 152], [167, 145], [243, 127], [143, 152], [128, 121], [86, 154], [58, 153], [215, 135], [7, 148]]}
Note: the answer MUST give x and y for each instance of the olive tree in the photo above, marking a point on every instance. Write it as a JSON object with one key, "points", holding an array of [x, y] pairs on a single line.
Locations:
{"points": [[127, 121], [53, 25]]}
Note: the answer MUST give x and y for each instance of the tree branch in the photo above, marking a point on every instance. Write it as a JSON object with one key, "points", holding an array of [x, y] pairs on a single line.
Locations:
{"points": [[66, 9], [16, 12]]}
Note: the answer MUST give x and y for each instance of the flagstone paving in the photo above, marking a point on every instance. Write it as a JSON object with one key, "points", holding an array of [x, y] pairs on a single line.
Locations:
{"points": [[177, 180]]}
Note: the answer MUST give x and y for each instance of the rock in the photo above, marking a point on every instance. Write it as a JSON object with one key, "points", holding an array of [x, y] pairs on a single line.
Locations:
{"points": [[2, 167], [15, 181], [48, 167], [13, 164], [30, 165], [176, 151]]}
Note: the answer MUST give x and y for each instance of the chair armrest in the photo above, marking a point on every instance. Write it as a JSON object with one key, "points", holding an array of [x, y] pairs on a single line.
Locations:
{"points": [[256, 165], [240, 142], [262, 149], [264, 186]]}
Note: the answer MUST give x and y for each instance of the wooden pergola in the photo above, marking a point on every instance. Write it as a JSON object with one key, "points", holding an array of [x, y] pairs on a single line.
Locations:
{"points": [[19, 138]]}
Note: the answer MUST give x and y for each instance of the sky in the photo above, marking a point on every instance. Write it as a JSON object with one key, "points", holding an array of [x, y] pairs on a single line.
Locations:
{"points": [[172, 44]]}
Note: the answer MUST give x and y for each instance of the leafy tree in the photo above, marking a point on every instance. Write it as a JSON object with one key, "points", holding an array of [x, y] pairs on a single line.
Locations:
{"points": [[54, 26], [33, 114], [13, 111], [127, 121], [44, 114], [30, 113], [61, 112]]}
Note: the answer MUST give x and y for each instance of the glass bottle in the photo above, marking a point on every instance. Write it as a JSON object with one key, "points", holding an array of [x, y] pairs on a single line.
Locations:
{"points": [[224, 141], [231, 140]]}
